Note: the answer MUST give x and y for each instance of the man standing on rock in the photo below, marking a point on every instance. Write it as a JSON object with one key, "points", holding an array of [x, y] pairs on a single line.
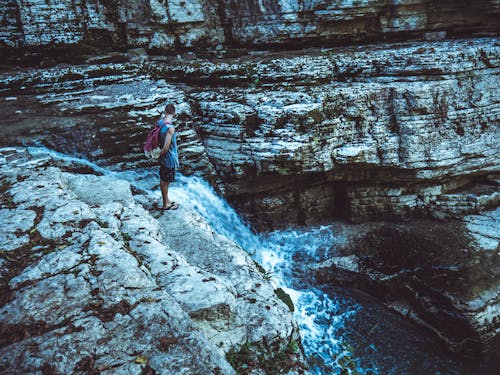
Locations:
{"points": [[169, 158]]}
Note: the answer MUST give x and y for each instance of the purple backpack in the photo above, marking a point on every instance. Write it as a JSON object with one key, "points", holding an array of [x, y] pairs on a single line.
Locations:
{"points": [[152, 146]]}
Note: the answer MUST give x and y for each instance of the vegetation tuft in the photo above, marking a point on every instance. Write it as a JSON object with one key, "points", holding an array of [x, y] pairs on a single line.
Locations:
{"points": [[251, 357], [285, 298]]}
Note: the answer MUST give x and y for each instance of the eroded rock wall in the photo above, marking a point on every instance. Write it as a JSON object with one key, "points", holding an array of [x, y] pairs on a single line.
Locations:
{"points": [[394, 131], [174, 24], [360, 133], [284, 21], [441, 274], [110, 24]]}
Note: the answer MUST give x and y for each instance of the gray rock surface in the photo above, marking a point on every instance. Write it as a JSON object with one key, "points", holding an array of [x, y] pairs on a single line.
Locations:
{"points": [[172, 24], [366, 132], [95, 283], [15, 226]]}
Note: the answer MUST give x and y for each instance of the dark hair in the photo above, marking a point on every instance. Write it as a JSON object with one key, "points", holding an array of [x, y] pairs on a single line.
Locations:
{"points": [[170, 109]]}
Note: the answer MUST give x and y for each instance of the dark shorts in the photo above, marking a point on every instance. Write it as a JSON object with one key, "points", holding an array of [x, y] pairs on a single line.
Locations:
{"points": [[167, 174]]}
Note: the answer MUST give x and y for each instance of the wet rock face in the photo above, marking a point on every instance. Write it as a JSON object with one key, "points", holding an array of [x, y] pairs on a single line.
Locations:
{"points": [[171, 24], [90, 281], [443, 276]]}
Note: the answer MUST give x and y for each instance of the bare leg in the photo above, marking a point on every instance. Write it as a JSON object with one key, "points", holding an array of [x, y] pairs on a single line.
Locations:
{"points": [[164, 193]]}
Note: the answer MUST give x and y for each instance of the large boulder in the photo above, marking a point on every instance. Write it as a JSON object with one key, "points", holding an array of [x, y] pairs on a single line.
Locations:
{"points": [[97, 284]]}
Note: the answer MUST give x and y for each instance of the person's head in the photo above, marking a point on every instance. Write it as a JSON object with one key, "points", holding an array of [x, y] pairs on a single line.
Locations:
{"points": [[169, 110]]}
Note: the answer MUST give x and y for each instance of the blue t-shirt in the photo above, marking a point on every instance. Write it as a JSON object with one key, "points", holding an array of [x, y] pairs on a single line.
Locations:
{"points": [[171, 157]]}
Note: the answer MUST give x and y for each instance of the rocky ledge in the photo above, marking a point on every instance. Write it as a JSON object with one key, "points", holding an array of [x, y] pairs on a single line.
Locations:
{"points": [[445, 276], [92, 282]]}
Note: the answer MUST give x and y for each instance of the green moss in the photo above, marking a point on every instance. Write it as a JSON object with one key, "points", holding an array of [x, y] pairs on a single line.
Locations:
{"points": [[293, 346], [102, 224], [285, 298], [255, 83], [251, 357], [126, 237]]}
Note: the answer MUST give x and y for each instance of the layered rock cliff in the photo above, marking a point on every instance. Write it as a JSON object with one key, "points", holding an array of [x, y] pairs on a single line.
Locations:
{"points": [[173, 24], [91, 282], [442, 275], [359, 133], [391, 131]]}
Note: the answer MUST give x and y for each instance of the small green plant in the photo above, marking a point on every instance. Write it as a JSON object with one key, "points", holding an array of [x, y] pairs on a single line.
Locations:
{"points": [[293, 346], [255, 83], [102, 224], [267, 275], [346, 360], [285, 298]]}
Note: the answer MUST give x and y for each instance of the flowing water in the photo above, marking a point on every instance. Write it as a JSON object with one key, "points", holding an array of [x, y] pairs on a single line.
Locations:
{"points": [[343, 331]]}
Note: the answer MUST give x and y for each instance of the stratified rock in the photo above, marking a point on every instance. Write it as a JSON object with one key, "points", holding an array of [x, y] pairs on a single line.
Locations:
{"points": [[149, 24], [362, 133], [359, 133], [173, 24], [96, 284], [442, 275], [108, 111]]}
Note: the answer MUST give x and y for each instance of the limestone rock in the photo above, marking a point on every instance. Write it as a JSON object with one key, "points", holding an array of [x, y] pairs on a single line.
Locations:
{"points": [[393, 131], [101, 285], [15, 227], [337, 133], [168, 25]]}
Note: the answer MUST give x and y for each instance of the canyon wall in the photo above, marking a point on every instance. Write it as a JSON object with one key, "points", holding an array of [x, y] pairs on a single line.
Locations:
{"points": [[361, 133], [169, 25], [358, 133]]}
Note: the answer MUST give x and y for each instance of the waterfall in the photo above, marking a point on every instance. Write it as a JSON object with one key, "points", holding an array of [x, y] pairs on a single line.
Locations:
{"points": [[320, 316]]}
